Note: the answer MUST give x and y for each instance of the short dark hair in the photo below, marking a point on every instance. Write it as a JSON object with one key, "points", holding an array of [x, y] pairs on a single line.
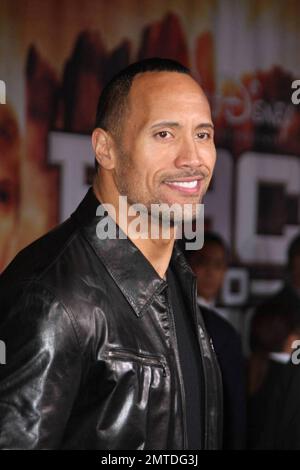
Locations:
{"points": [[209, 238], [271, 325], [213, 237], [113, 99]]}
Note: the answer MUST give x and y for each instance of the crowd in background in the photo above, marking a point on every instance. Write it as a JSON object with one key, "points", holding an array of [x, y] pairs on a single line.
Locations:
{"points": [[261, 390]]}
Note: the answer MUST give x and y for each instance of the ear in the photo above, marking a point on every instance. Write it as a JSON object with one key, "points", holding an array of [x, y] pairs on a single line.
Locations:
{"points": [[103, 148]]}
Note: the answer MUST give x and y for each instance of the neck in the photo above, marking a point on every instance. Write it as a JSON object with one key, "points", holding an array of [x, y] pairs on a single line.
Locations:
{"points": [[157, 251]]}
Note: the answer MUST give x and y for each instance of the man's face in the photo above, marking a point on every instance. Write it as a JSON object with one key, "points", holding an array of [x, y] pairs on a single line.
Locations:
{"points": [[9, 182], [167, 152], [209, 265]]}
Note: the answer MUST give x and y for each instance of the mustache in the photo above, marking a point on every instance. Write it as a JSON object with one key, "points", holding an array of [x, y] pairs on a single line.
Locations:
{"points": [[196, 174]]}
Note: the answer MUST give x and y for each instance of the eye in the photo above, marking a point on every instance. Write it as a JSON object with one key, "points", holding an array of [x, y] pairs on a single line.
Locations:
{"points": [[203, 135], [5, 194], [163, 134]]}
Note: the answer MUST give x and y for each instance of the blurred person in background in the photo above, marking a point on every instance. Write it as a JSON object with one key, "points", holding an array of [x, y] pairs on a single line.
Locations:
{"points": [[9, 182], [210, 265], [289, 294], [274, 380]]}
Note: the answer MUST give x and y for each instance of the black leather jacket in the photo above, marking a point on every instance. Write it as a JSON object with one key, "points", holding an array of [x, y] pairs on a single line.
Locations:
{"points": [[92, 361]]}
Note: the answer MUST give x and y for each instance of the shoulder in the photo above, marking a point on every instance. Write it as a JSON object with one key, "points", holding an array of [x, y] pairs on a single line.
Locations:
{"points": [[34, 260], [26, 288], [214, 322], [220, 330]]}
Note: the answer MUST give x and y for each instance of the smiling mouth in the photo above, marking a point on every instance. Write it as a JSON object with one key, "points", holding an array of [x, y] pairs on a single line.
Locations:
{"points": [[188, 186]]}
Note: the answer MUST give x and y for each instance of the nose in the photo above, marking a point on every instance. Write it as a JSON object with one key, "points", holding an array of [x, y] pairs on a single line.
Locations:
{"points": [[188, 156]]}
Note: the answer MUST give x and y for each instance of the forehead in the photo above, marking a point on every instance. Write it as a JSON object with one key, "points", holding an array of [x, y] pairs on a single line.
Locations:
{"points": [[165, 94]]}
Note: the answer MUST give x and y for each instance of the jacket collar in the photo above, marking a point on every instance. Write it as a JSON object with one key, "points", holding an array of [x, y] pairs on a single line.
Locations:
{"points": [[126, 264]]}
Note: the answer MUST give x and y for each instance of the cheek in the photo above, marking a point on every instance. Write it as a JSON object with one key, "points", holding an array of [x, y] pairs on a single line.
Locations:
{"points": [[7, 226], [208, 277], [200, 273], [209, 156], [221, 273], [142, 162]]}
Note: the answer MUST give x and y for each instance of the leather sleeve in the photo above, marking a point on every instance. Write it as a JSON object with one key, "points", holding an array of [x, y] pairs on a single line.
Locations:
{"points": [[41, 377]]}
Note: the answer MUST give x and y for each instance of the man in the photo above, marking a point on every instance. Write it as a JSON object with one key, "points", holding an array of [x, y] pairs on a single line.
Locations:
{"points": [[274, 404], [105, 346], [9, 183], [210, 265], [289, 295]]}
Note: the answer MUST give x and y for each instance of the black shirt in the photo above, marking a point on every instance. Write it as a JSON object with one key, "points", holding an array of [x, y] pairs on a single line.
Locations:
{"points": [[228, 349], [190, 359]]}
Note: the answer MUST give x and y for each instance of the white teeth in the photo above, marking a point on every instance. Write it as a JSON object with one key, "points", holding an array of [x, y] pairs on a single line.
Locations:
{"points": [[184, 184]]}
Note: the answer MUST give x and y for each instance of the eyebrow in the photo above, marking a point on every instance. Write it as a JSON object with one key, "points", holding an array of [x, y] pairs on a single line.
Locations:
{"points": [[203, 125]]}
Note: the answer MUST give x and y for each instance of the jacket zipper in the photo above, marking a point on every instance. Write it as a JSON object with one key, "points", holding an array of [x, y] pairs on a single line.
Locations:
{"points": [[185, 440], [203, 378], [144, 358], [215, 372]]}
